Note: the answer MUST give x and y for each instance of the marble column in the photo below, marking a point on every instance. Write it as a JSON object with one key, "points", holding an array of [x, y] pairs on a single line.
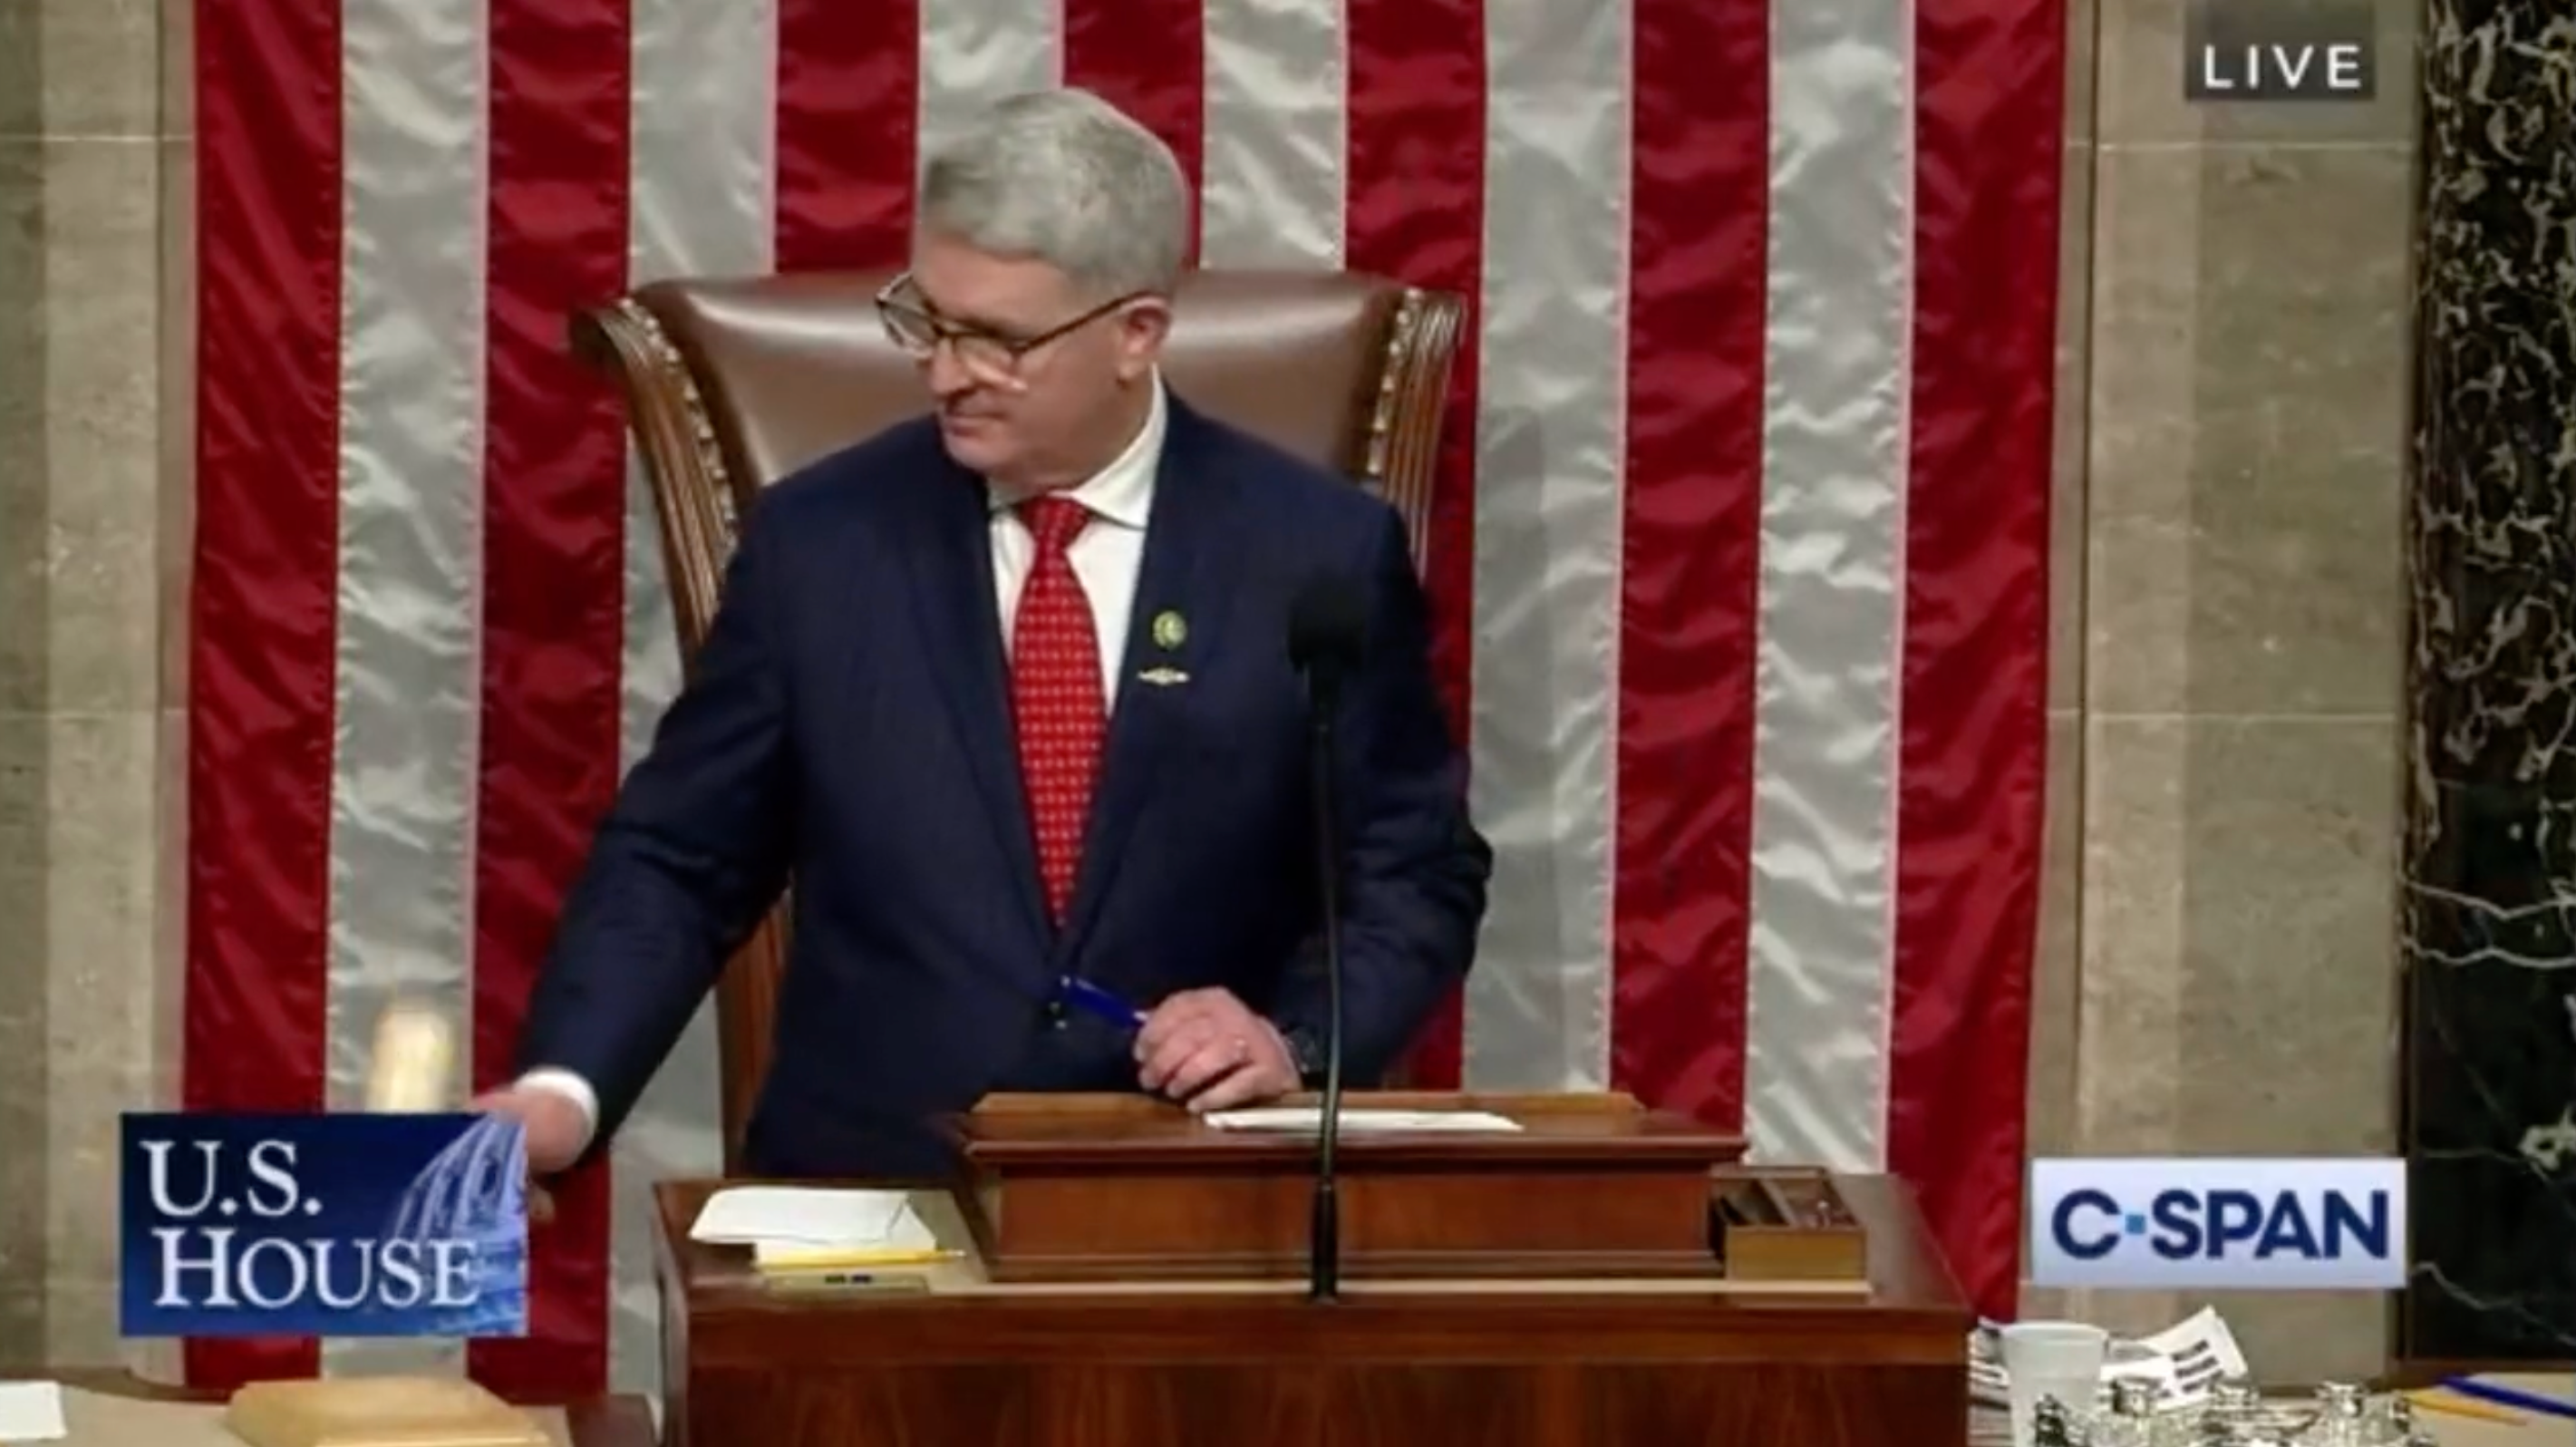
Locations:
{"points": [[2219, 974], [2489, 926], [95, 332]]}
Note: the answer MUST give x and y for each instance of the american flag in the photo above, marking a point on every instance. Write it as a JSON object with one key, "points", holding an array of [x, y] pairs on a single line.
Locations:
{"points": [[1741, 543]]}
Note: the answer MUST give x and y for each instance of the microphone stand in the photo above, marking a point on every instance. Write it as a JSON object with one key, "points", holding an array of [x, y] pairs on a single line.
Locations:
{"points": [[1326, 1246]]}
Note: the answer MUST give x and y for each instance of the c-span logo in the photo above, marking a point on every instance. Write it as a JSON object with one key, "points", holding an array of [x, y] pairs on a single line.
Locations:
{"points": [[2201, 1223], [323, 1225]]}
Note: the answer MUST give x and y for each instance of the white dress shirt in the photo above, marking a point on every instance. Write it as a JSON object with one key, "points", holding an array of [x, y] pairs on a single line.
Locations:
{"points": [[1106, 555]]}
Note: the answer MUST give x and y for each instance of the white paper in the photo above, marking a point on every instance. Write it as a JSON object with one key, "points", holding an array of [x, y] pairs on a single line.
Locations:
{"points": [[909, 1236], [804, 1216], [2184, 1360], [32, 1412], [2203, 1352], [1307, 1119]]}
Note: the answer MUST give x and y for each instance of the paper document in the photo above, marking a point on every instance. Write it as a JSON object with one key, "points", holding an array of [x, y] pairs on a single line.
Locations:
{"points": [[816, 1217], [906, 1241], [32, 1412], [1307, 1119]]}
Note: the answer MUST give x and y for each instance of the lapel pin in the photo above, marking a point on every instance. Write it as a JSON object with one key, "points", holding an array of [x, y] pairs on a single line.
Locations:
{"points": [[1163, 677], [1169, 630]]}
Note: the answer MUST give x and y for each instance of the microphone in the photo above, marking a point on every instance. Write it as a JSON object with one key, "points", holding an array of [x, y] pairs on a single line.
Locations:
{"points": [[1327, 634]]}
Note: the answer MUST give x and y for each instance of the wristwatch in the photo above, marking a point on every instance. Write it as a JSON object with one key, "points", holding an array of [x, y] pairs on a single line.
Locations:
{"points": [[1306, 1053]]}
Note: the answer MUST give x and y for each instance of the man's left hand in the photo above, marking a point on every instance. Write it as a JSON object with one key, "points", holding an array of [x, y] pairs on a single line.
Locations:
{"points": [[1207, 1049]]}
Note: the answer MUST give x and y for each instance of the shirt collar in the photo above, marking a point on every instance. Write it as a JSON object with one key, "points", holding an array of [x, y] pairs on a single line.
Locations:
{"points": [[1122, 492]]}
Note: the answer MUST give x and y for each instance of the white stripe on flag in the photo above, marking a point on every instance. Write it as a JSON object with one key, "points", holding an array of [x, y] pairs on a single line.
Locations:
{"points": [[1271, 174], [1550, 432], [700, 203], [976, 52], [406, 688], [1833, 528]]}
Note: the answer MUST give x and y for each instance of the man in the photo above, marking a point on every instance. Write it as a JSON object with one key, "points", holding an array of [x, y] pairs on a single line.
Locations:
{"points": [[1006, 690]]}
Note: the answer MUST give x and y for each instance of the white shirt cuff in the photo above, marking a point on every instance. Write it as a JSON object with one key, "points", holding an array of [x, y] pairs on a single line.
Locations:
{"points": [[573, 1088]]}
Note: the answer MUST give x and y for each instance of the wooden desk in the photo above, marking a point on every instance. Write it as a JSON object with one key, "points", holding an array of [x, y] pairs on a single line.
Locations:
{"points": [[2534, 1428], [1532, 1363]]}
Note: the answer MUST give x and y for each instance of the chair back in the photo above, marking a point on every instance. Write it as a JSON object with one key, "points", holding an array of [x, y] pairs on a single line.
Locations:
{"points": [[733, 383]]}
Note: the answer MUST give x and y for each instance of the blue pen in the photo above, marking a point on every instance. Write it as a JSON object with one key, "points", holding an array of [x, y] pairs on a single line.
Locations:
{"points": [[2504, 1396], [1087, 996]]}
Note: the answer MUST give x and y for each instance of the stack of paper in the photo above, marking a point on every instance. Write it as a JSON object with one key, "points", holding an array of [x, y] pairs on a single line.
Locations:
{"points": [[32, 1412], [817, 1229], [1307, 1119]]}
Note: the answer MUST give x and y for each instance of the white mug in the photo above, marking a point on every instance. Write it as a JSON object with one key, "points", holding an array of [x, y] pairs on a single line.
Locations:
{"points": [[2061, 1359]]}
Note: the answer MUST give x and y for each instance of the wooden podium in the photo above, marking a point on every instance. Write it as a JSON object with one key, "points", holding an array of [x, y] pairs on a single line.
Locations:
{"points": [[1130, 1277]]}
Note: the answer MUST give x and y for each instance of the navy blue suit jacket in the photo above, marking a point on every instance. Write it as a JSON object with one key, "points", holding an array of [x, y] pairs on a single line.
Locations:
{"points": [[847, 723]]}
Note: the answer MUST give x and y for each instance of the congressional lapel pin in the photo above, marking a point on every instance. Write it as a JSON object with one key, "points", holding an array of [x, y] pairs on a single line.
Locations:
{"points": [[1163, 677], [1170, 631]]}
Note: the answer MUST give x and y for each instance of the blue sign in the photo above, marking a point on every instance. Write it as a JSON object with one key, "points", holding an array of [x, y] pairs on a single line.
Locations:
{"points": [[2196, 1223], [323, 1225]]}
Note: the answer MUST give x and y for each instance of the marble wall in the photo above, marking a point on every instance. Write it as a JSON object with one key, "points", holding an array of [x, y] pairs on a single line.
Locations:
{"points": [[94, 318], [2490, 862], [2218, 962]]}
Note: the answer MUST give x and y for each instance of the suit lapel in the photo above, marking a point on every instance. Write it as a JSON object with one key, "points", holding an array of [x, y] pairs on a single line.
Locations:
{"points": [[952, 574], [1187, 562]]}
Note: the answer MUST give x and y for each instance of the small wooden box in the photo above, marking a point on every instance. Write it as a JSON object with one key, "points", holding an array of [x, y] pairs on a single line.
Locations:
{"points": [[1086, 1188], [1785, 1224]]}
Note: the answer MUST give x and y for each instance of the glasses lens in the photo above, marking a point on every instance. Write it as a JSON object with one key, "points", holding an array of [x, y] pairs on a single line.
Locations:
{"points": [[909, 329], [985, 357]]}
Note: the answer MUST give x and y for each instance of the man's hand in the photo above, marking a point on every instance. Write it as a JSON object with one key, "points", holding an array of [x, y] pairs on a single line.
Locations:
{"points": [[1206, 1048], [555, 1131]]}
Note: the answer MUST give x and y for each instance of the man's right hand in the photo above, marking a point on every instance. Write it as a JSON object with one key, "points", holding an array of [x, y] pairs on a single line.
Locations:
{"points": [[555, 1127]]}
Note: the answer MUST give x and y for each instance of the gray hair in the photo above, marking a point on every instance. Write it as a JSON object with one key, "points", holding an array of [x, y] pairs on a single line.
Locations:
{"points": [[1064, 177]]}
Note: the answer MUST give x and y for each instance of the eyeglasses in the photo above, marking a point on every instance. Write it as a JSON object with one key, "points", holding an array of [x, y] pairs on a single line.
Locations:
{"points": [[990, 356]]}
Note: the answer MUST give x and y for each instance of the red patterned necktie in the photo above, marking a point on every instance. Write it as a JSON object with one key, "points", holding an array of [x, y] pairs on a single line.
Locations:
{"points": [[1056, 696]]}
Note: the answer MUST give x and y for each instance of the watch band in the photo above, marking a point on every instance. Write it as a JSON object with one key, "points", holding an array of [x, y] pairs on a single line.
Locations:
{"points": [[1306, 1053]]}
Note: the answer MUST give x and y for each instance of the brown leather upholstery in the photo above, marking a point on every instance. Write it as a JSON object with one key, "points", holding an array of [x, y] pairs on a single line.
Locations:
{"points": [[731, 384]]}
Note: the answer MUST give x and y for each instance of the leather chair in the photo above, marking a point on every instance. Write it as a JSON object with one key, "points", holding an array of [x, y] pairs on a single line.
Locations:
{"points": [[730, 384]]}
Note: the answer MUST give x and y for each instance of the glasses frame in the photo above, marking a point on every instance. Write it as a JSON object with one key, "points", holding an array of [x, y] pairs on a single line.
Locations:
{"points": [[890, 308]]}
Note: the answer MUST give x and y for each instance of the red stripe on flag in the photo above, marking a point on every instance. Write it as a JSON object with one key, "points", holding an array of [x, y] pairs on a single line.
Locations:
{"points": [[1415, 211], [848, 122], [1691, 564], [263, 601], [553, 579], [1148, 58], [1972, 754]]}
